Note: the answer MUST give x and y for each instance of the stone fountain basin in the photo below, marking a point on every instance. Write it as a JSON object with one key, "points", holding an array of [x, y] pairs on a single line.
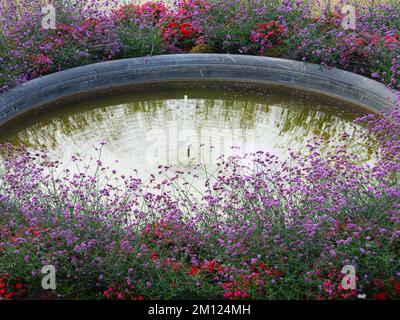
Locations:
{"points": [[104, 77]]}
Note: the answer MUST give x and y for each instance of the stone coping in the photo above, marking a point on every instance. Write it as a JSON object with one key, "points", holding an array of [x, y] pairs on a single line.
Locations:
{"points": [[196, 67]]}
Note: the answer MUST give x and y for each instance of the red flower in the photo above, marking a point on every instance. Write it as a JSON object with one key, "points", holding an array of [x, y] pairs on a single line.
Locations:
{"points": [[268, 34], [390, 39], [396, 288], [379, 296], [153, 256], [9, 295], [193, 271], [186, 29]]}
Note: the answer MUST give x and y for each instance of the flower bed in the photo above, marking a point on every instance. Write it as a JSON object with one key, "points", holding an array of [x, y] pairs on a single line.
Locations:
{"points": [[285, 29], [262, 228]]}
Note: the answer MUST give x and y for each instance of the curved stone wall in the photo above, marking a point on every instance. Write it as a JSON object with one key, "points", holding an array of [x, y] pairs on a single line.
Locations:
{"points": [[195, 67]]}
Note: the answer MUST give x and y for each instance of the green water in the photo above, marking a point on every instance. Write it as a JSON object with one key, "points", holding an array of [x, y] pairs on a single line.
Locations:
{"points": [[155, 124]]}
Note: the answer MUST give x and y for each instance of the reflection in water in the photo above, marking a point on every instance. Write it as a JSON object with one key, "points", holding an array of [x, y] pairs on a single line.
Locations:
{"points": [[158, 125]]}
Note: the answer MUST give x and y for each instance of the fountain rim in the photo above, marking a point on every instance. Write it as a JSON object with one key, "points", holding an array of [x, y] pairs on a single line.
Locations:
{"points": [[109, 75]]}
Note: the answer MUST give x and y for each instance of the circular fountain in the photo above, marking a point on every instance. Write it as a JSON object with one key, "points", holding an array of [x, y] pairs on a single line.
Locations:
{"points": [[188, 109]]}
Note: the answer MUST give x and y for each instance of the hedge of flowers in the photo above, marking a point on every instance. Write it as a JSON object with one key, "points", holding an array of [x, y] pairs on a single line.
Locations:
{"points": [[87, 32], [261, 227]]}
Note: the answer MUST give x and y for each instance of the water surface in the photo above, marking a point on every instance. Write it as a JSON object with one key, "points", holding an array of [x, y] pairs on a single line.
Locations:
{"points": [[183, 124]]}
